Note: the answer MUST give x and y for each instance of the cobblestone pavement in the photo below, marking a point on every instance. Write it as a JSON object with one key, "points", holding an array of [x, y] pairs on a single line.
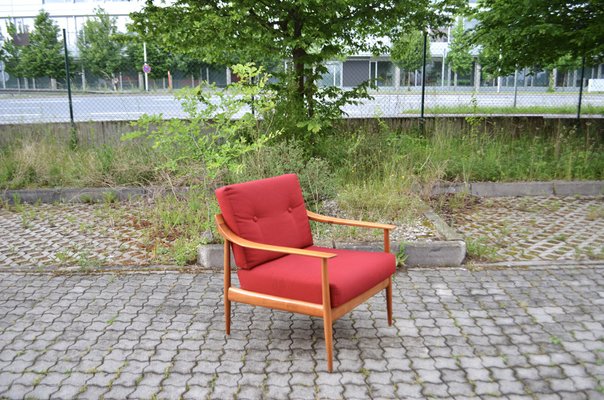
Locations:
{"points": [[495, 333], [535, 228], [69, 234]]}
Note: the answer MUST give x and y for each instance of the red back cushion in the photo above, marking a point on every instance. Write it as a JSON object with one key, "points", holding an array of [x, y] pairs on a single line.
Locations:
{"points": [[270, 211]]}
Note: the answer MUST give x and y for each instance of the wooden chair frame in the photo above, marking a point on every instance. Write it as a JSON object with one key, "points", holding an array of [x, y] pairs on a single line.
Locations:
{"points": [[324, 310]]}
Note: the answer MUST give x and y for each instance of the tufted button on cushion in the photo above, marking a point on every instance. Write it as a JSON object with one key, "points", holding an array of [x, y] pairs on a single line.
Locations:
{"points": [[270, 211]]}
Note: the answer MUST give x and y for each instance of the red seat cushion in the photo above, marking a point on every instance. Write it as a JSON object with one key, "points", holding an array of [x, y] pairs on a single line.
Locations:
{"points": [[269, 211], [351, 273]]}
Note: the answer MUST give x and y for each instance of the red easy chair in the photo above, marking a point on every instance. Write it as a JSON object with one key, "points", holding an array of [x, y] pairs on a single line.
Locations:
{"points": [[267, 225]]}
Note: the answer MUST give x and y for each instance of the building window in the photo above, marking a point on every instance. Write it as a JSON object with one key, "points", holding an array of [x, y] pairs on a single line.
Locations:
{"points": [[333, 77], [382, 73]]}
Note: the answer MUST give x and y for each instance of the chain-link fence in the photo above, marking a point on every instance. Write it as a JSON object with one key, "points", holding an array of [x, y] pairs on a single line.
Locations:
{"points": [[396, 93]]}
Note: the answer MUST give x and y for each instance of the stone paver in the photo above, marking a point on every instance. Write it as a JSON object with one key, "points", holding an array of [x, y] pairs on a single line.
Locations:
{"points": [[536, 228], [496, 333], [70, 234]]}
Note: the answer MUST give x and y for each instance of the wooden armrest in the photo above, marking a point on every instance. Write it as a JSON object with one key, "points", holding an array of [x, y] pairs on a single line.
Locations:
{"points": [[340, 221], [231, 236]]}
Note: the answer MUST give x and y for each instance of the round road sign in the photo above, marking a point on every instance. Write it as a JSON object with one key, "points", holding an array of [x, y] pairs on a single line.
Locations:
{"points": [[146, 68]]}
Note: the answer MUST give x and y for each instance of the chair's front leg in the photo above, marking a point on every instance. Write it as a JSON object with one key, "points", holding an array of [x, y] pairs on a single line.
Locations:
{"points": [[389, 301], [327, 320], [227, 285], [389, 287]]}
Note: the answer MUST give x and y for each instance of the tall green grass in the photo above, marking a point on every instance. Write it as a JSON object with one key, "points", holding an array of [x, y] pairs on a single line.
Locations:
{"points": [[46, 162], [417, 158], [384, 160]]}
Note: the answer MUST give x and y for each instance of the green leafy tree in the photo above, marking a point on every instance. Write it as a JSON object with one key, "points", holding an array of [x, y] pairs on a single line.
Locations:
{"points": [[306, 33], [407, 52], [538, 33], [459, 57], [11, 52], [44, 54], [100, 52]]}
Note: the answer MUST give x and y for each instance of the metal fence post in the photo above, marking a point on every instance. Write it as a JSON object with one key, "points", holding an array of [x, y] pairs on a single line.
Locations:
{"points": [[581, 89], [422, 120], [74, 136]]}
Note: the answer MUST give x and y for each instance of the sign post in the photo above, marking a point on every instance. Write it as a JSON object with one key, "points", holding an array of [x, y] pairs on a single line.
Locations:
{"points": [[4, 76], [146, 67], [146, 70]]}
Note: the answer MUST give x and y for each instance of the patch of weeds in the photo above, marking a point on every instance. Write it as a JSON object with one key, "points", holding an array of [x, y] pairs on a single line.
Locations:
{"points": [[110, 197], [83, 389], [553, 205], [595, 212], [480, 249], [86, 262], [525, 205], [561, 237], [167, 371], [454, 203], [27, 216], [589, 252], [17, 204], [184, 252], [365, 373], [87, 227], [38, 379], [555, 340], [64, 258], [401, 254], [111, 320], [593, 254], [87, 199], [173, 227]]}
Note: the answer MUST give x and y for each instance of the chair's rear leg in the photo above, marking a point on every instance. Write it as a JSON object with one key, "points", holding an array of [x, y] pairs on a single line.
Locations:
{"points": [[389, 300], [227, 316], [227, 285]]}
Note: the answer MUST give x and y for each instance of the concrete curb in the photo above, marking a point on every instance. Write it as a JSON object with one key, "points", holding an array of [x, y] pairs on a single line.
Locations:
{"points": [[83, 195], [450, 252], [481, 189], [537, 263], [513, 189]]}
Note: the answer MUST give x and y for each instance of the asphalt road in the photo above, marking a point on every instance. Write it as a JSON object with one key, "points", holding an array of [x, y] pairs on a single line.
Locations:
{"points": [[16, 108]]}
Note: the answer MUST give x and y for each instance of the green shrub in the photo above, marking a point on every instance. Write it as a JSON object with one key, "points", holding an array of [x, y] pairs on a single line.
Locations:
{"points": [[315, 174], [215, 135]]}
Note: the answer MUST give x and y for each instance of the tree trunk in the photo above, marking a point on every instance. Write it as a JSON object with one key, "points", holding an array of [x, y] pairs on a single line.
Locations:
{"points": [[299, 60]]}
